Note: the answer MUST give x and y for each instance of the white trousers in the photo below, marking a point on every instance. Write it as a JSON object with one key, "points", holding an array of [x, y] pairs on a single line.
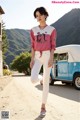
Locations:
{"points": [[39, 61]]}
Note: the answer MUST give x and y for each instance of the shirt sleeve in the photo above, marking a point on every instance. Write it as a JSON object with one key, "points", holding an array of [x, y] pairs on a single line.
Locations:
{"points": [[53, 39], [32, 38]]}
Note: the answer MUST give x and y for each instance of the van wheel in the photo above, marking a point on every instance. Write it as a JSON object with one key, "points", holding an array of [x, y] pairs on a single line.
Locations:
{"points": [[77, 81], [51, 81]]}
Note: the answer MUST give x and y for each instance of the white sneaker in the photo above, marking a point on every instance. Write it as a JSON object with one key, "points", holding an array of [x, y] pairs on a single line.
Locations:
{"points": [[43, 112]]}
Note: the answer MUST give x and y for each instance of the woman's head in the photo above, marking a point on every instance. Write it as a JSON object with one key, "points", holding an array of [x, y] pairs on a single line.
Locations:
{"points": [[40, 14]]}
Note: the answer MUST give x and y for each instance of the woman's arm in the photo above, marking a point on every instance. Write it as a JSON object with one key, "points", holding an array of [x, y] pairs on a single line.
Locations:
{"points": [[32, 49], [53, 46], [50, 62]]}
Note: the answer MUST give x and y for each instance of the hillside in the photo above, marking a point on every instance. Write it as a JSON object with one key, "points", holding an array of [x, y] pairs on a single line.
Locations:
{"points": [[19, 41], [68, 28], [68, 32]]}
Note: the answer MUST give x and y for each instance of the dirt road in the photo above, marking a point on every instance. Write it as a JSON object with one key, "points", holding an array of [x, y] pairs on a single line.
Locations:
{"points": [[23, 99]]}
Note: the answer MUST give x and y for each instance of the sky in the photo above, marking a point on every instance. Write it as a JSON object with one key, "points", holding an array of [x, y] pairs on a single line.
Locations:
{"points": [[19, 13]]}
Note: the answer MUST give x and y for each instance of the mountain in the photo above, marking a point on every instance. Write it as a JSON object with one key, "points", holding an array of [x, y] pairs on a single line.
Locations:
{"points": [[19, 41], [68, 28], [68, 32]]}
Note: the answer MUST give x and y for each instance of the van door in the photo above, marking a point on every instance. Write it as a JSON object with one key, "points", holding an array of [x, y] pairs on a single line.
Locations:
{"points": [[54, 69], [62, 67]]}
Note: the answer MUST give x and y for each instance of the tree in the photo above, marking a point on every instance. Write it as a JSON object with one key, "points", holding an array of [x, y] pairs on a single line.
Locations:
{"points": [[21, 63], [4, 41]]}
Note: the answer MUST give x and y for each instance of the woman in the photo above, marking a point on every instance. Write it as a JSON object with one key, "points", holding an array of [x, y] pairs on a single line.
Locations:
{"points": [[43, 43]]}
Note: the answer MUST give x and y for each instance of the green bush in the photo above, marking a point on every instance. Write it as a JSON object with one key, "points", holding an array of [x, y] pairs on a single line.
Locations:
{"points": [[21, 63]]}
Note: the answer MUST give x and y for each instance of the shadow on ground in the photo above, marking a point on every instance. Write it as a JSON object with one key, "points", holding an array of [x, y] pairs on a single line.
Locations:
{"points": [[65, 91], [39, 118], [19, 76]]}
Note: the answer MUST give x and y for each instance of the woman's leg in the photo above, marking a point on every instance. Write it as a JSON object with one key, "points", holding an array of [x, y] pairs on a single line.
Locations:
{"points": [[46, 76], [35, 71]]}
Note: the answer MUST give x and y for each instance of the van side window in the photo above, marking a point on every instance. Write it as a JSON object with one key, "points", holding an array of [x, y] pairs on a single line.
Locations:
{"points": [[63, 56]]}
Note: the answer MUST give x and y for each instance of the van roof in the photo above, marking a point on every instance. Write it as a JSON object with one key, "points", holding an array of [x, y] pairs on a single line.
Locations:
{"points": [[72, 49], [68, 48]]}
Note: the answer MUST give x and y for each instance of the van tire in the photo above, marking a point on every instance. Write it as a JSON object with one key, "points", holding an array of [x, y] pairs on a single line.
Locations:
{"points": [[76, 81], [51, 81]]}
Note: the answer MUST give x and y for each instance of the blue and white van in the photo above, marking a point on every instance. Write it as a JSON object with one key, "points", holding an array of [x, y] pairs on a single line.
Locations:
{"points": [[66, 67]]}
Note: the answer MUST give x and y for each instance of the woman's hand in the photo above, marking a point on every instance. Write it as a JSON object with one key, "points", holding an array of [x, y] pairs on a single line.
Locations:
{"points": [[31, 63], [50, 62]]}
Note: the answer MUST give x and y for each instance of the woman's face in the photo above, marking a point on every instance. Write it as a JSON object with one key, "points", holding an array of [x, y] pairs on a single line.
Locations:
{"points": [[40, 18]]}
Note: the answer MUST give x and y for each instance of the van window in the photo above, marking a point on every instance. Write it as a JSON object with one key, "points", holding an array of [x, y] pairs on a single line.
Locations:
{"points": [[63, 56]]}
